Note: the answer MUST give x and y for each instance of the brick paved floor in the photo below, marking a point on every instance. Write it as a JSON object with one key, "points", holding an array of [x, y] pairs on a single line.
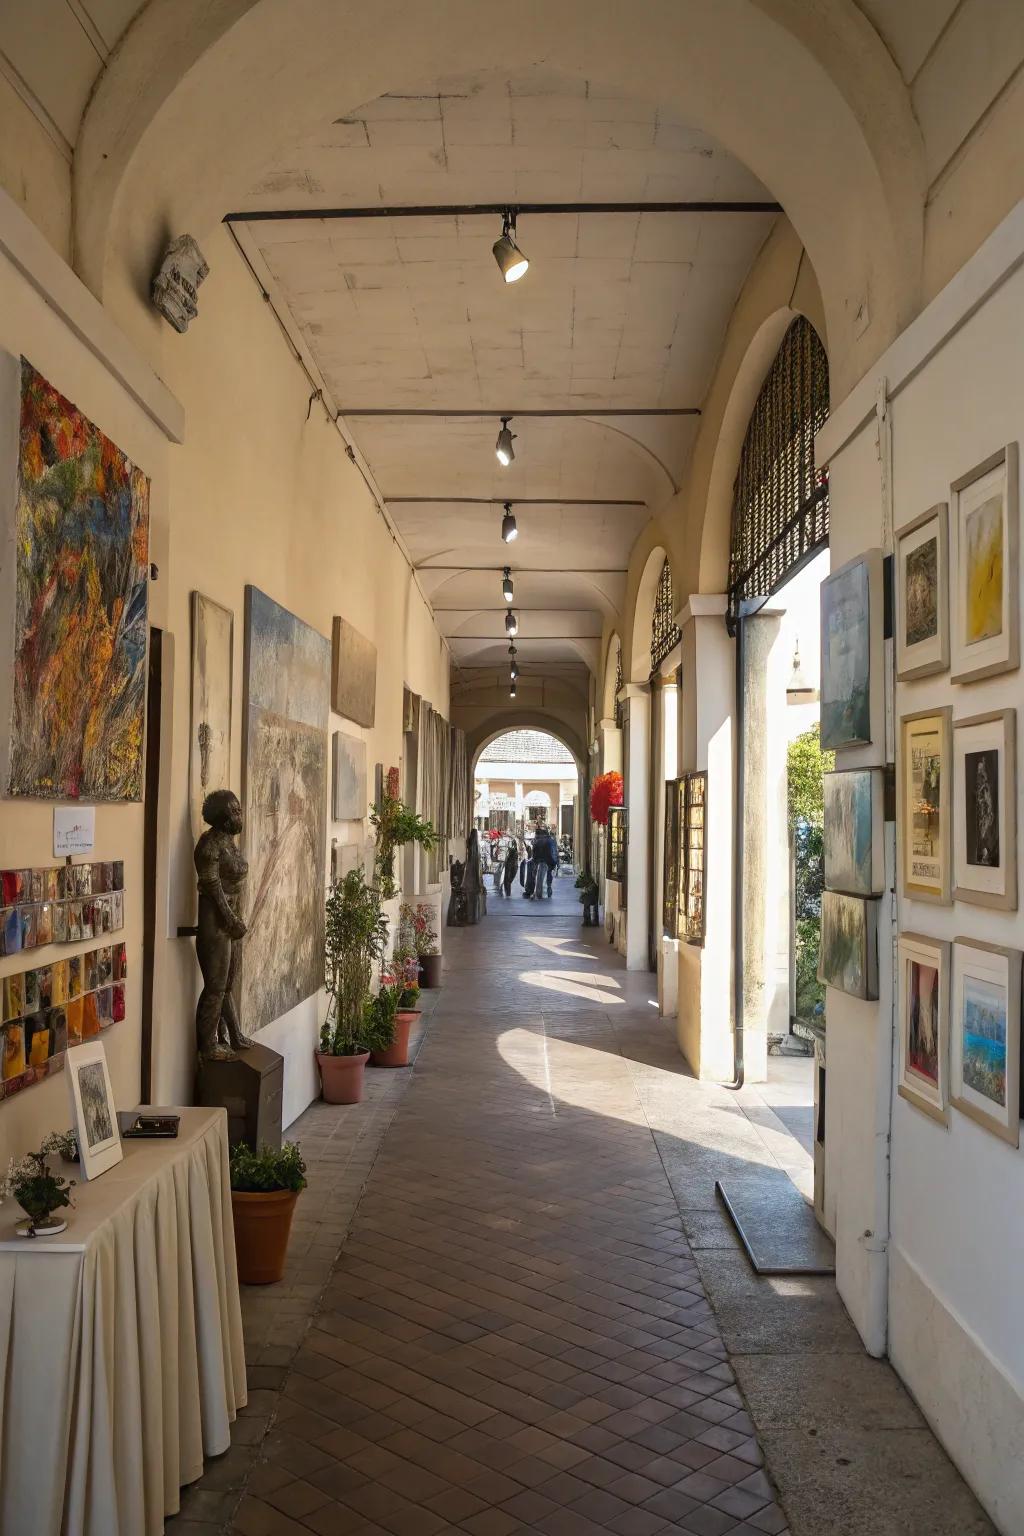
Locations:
{"points": [[515, 1335]]}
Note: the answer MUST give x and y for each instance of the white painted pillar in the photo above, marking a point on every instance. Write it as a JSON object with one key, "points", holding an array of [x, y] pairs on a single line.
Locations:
{"points": [[668, 947], [609, 741], [637, 699]]}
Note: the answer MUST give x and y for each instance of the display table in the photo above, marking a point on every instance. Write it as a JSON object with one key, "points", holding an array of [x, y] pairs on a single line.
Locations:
{"points": [[121, 1356]]}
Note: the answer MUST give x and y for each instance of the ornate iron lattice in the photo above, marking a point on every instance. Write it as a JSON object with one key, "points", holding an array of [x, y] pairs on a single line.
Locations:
{"points": [[780, 501], [664, 632], [618, 687], [615, 848]]}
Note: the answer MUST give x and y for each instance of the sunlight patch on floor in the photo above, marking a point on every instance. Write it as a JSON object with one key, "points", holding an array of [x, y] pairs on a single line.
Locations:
{"points": [[593, 989]]}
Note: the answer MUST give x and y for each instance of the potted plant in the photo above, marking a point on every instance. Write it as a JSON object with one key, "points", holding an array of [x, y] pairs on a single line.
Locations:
{"points": [[40, 1192], [356, 936], [64, 1144], [387, 1028], [418, 923], [264, 1188], [396, 824]]}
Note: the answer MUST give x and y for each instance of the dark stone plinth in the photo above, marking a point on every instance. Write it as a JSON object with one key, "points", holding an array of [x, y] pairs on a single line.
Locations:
{"points": [[250, 1088]]}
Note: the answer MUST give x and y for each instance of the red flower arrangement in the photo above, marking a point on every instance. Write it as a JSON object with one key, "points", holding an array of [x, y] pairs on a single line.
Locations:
{"points": [[605, 792]]}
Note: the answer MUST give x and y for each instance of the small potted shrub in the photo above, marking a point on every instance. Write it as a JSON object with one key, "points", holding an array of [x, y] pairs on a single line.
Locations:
{"points": [[356, 936], [427, 947], [389, 1032], [397, 824], [40, 1192], [64, 1144], [264, 1188]]}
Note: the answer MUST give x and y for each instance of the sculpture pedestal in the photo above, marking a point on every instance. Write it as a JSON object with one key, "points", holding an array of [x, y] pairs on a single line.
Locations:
{"points": [[250, 1088]]}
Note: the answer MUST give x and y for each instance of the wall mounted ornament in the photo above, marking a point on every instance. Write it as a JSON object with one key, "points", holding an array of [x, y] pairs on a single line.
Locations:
{"points": [[922, 595], [287, 677], [986, 625], [851, 649], [353, 674], [923, 989], [209, 765], [176, 283], [74, 593]]}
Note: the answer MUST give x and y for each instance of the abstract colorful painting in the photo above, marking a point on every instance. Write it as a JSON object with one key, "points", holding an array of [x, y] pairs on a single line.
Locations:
{"points": [[985, 1040], [848, 953], [284, 784], [854, 811], [924, 1022], [986, 636], [78, 595], [850, 616]]}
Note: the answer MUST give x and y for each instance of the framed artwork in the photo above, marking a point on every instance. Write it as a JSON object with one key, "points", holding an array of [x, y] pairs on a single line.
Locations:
{"points": [[694, 807], [985, 809], [93, 1116], [854, 831], [984, 1067], [209, 763], [986, 619], [615, 861], [851, 629], [349, 802], [287, 677], [922, 595], [74, 596], [672, 862], [848, 952], [923, 989], [353, 674], [923, 771]]}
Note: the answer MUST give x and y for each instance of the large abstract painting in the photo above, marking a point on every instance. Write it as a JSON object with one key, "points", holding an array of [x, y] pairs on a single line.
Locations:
{"points": [[74, 568], [353, 674], [287, 683], [210, 740]]}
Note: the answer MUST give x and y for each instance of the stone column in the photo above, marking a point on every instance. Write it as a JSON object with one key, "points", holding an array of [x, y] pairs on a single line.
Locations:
{"points": [[637, 698], [609, 745], [664, 699]]}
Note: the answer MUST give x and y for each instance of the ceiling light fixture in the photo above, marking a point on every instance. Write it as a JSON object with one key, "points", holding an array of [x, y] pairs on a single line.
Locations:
{"points": [[512, 691], [511, 623], [503, 447], [513, 671], [512, 264], [509, 531], [506, 583]]}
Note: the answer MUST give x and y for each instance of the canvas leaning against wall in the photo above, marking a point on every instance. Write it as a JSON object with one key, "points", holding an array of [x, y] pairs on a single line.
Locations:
{"points": [[353, 674], [209, 766], [851, 624], [349, 802], [284, 772], [74, 595]]}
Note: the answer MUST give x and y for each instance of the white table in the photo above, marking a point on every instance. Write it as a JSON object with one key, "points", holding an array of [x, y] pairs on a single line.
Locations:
{"points": [[121, 1355]]}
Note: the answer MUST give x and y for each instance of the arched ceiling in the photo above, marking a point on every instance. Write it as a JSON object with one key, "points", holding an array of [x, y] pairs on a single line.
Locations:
{"points": [[618, 310]]}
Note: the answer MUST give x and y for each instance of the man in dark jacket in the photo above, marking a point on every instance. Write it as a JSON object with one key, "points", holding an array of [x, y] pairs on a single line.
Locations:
{"points": [[545, 855]]}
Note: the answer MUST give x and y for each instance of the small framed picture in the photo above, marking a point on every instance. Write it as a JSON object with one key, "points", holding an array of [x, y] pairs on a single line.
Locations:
{"points": [[923, 987], [986, 623], [985, 815], [985, 1036], [93, 1116], [922, 817], [922, 595], [848, 952], [851, 649], [854, 828]]}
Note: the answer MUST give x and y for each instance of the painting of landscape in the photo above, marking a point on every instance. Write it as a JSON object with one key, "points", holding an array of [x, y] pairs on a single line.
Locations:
{"points": [[852, 839], [287, 684], [846, 657], [848, 956], [983, 1036], [79, 605], [985, 1067]]}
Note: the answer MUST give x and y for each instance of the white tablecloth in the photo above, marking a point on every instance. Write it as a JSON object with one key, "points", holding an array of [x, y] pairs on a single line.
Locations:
{"points": [[121, 1356]]}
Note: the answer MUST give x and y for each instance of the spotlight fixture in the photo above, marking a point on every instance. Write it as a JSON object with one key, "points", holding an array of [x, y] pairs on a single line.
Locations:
{"points": [[511, 623], [512, 690], [503, 447], [511, 262], [506, 583], [509, 531], [513, 671]]}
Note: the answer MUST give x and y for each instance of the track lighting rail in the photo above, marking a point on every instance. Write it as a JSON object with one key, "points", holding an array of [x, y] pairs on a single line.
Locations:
{"points": [[454, 210]]}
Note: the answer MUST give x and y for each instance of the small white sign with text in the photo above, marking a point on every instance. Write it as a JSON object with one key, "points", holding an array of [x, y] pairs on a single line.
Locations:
{"points": [[74, 829]]}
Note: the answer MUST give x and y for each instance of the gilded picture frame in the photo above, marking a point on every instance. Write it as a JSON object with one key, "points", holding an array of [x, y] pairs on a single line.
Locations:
{"points": [[923, 770]]}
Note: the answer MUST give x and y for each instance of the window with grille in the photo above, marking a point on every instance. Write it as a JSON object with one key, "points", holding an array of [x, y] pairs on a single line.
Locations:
{"points": [[664, 631], [618, 687], [780, 501], [615, 848]]}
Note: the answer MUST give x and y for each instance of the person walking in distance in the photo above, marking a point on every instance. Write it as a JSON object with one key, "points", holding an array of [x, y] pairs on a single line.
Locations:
{"points": [[545, 855], [511, 866]]}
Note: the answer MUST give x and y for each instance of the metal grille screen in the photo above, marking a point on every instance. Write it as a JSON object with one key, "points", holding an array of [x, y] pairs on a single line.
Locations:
{"points": [[664, 633], [780, 502]]}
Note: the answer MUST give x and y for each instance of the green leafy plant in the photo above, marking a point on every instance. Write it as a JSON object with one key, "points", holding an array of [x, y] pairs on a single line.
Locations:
{"points": [[806, 766], [62, 1144], [397, 824], [418, 922], [267, 1170], [38, 1190], [356, 938], [378, 1028]]}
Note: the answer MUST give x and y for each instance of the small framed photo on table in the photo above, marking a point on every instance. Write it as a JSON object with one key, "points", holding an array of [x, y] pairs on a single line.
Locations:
{"points": [[986, 624], [985, 809], [985, 1036], [922, 595], [923, 989], [923, 770], [93, 1116]]}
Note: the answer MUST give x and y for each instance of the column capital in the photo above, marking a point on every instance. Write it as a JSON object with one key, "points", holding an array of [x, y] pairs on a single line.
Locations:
{"points": [[633, 691], [608, 723], [702, 605]]}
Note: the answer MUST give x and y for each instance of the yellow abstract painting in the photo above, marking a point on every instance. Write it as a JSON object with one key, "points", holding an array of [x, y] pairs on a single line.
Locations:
{"points": [[984, 571]]}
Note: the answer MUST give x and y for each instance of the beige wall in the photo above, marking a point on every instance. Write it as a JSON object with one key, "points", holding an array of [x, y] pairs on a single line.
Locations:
{"points": [[255, 494]]}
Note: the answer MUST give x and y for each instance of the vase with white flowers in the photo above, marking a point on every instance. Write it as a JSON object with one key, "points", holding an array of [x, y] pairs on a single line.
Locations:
{"points": [[40, 1192]]}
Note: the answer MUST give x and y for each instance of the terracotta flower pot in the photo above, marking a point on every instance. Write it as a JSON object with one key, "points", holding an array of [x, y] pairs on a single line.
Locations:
{"points": [[263, 1221], [430, 971], [397, 1053], [341, 1077]]}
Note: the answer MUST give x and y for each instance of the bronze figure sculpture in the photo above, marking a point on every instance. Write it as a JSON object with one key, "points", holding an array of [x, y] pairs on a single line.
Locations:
{"points": [[221, 872]]}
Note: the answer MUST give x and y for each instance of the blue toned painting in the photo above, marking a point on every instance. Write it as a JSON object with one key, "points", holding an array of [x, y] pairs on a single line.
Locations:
{"points": [[848, 832], [984, 1038]]}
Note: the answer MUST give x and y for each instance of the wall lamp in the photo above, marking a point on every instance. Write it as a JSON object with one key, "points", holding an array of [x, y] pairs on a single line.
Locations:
{"points": [[512, 264]]}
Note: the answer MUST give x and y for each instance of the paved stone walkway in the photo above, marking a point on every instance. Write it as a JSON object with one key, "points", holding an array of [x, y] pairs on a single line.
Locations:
{"points": [[517, 1335]]}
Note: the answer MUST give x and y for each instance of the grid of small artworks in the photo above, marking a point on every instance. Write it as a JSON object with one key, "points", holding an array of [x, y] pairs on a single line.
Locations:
{"points": [[53, 1007], [61, 904]]}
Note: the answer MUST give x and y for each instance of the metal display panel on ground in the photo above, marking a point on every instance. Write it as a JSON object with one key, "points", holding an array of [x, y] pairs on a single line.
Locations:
{"points": [[985, 541], [922, 595], [923, 775], [985, 809], [923, 989], [984, 1068]]}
